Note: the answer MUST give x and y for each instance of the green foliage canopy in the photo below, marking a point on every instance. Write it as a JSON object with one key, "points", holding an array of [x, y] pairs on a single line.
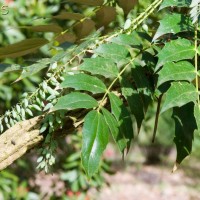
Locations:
{"points": [[115, 77]]}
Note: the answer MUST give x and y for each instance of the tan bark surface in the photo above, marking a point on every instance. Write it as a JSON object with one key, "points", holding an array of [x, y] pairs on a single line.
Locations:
{"points": [[17, 140]]}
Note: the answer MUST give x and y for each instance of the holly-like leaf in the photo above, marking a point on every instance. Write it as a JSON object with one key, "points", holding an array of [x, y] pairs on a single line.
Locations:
{"points": [[84, 82], [175, 3], [22, 48], [75, 100], [174, 23], [176, 50], [113, 51], [185, 126], [123, 118], [112, 123], [95, 140], [182, 70], [135, 101], [101, 66], [179, 94]]}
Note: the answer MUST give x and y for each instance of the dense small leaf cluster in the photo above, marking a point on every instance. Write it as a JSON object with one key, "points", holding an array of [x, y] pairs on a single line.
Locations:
{"points": [[43, 101]]}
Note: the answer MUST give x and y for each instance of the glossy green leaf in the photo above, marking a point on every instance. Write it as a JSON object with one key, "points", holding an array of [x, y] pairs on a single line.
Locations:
{"points": [[179, 94], [113, 51], [101, 66], [182, 70], [185, 126], [84, 82], [173, 23], [22, 48], [176, 50], [134, 100], [175, 3], [117, 135], [123, 118], [75, 100], [95, 140]]}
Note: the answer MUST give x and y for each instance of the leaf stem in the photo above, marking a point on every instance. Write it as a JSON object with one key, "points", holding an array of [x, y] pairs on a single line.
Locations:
{"points": [[118, 77], [135, 24], [101, 40], [110, 87], [157, 117], [196, 59], [145, 14]]}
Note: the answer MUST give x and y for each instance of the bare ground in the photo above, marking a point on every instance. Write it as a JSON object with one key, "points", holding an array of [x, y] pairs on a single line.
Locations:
{"points": [[152, 182]]}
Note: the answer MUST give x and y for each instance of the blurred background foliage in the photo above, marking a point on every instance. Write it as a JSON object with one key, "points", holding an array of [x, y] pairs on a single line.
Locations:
{"points": [[22, 180]]}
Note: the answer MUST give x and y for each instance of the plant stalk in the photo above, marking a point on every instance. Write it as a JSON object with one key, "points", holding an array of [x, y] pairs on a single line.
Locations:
{"points": [[196, 59]]}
